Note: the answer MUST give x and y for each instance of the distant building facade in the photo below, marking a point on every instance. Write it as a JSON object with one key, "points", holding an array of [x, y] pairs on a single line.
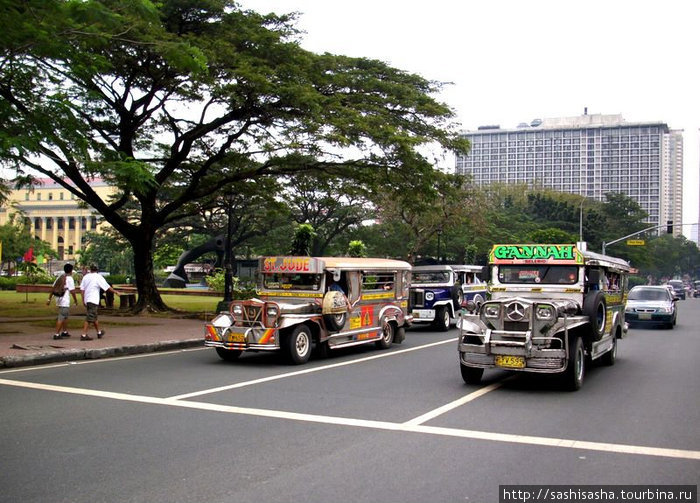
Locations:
{"points": [[56, 216], [589, 155]]}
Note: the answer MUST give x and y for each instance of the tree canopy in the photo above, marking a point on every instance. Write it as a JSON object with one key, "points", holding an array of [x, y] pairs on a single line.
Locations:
{"points": [[172, 102]]}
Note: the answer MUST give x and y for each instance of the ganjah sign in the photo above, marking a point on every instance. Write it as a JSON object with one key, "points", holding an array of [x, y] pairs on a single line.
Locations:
{"points": [[535, 254]]}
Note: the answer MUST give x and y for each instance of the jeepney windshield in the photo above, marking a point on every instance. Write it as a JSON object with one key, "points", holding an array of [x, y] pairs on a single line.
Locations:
{"points": [[431, 277], [287, 281], [538, 274]]}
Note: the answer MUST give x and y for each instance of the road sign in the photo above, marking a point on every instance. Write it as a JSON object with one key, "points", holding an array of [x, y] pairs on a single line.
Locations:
{"points": [[635, 242]]}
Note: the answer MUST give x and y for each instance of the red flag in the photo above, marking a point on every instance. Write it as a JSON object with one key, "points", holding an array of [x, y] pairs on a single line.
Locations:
{"points": [[29, 256]]}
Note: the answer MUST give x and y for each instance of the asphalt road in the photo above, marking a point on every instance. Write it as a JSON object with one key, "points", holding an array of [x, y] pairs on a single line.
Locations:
{"points": [[364, 425]]}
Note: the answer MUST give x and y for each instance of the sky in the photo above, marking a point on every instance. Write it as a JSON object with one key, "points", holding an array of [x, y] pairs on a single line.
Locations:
{"points": [[514, 61]]}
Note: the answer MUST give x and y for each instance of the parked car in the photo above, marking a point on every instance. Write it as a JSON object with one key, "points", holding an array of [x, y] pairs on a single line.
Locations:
{"points": [[696, 292], [678, 288], [653, 305]]}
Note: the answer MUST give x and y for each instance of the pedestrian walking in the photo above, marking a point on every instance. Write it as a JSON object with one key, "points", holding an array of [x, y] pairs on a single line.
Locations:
{"points": [[62, 289], [91, 286]]}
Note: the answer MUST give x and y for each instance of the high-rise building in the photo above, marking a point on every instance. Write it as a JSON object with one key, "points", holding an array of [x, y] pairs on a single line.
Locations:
{"points": [[589, 155], [55, 215]]}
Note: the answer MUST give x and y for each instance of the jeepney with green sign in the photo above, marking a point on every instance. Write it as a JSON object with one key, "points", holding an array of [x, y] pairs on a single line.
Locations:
{"points": [[322, 302], [552, 308]]}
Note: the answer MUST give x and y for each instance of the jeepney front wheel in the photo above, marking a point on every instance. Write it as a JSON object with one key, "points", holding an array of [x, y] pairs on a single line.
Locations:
{"points": [[442, 319], [298, 344], [471, 375], [388, 332], [228, 355], [576, 367]]}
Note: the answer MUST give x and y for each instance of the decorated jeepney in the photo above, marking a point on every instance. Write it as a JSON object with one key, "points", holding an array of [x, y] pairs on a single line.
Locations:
{"points": [[552, 308], [321, 302], [439, 291]]}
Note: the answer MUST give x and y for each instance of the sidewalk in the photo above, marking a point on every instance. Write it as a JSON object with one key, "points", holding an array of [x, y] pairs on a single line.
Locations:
{"points": [[23, 342]]}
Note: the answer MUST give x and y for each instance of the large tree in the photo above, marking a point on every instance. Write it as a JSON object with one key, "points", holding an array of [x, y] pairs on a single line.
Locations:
{"points": [[173, 101]]}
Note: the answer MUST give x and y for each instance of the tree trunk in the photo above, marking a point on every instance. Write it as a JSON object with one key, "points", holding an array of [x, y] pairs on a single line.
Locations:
{"points": [[148, 295]]}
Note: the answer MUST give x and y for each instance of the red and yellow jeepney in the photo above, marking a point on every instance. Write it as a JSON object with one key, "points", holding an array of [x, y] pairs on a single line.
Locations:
{"points": [[322, 302]]}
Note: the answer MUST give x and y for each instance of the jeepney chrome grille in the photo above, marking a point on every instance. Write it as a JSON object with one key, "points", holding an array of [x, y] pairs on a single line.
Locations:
{"points": [[416, 298], [251, 316], [516, 326]]}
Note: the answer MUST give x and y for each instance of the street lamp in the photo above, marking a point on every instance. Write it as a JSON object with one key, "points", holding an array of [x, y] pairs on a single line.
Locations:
{"points": [[439, 233]]}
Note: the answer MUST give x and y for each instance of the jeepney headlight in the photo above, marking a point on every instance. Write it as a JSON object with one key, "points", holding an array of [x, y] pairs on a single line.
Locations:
{"points": [[544, 313], [237, 311], [429, 295], [272, 311], [492, 311]]}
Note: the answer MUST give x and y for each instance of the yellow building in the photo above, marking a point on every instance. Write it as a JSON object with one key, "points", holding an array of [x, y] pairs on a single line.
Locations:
{"points": [[56, 216]]}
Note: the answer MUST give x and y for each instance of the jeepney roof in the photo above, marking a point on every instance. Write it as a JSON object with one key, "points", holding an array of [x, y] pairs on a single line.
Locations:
{"points": [[593, 258], [448, 267], [318, 264]]}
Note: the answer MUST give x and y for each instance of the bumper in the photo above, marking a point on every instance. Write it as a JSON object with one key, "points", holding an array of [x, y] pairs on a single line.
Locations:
{"points": [[639, 318], [546, 361], [257, 339]]}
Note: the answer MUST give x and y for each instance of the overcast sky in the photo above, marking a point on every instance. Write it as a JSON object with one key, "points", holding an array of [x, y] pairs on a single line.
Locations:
{"points": [[515, 61]]}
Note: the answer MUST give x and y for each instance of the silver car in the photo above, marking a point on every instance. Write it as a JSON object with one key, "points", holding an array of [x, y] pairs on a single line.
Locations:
{"points": [[653, 305]]}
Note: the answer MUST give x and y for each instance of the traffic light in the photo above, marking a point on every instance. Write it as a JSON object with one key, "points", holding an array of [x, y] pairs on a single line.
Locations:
{"points": [[669, 226]]}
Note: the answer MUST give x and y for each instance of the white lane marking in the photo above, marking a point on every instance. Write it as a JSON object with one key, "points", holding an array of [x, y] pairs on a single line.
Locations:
{"points": [[457, 403], [306, 371], [377, 425]]}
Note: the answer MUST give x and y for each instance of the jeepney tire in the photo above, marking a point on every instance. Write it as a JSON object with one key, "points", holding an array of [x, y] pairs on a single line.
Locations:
{"points": [[388, 333], [400, 335], [471, 375], [228, 355], [299, 344], [335, 322], [594, 308], [609, 358], [442, 319], [457, 297], [478, 300], [576, 368]]}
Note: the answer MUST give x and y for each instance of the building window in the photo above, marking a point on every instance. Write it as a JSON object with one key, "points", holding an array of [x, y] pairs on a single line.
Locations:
{"points": [[38, 196], [50, 196], [49, 223], [60, 196], [71, 223], [83, 223], [59, 223]]}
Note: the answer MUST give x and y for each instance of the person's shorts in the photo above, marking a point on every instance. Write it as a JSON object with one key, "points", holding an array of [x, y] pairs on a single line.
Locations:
{"points": [[63, 313], [91, 314]]}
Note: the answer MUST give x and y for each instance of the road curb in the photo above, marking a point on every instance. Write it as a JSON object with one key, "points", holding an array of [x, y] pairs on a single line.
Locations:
{"points": [[66, 355]]}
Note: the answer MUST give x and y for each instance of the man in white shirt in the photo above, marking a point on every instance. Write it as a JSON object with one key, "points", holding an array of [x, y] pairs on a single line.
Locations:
{"points": [[91, 287], [63, 301]]}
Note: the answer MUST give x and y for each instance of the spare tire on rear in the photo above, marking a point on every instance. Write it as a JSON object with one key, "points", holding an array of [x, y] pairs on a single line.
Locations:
{"points": [[335, 310], [594, 307]]}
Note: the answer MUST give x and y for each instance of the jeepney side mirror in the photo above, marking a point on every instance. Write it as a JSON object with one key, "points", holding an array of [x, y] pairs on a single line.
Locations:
{"points": [[336, 276]]}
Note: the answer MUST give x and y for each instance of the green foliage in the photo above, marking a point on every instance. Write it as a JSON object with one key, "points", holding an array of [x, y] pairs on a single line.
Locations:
{"points": [[551, 235], [303, 237], [239, 289], [357, 248], [174, 102], [110, 252]]}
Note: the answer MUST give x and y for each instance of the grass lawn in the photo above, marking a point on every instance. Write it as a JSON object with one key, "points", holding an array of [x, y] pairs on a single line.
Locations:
{"points": [[33, 305]]}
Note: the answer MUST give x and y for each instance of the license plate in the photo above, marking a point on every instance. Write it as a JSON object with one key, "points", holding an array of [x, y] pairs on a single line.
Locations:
{"points": [[423, 313], [236, 337], [644, 316], [510, 362]]}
